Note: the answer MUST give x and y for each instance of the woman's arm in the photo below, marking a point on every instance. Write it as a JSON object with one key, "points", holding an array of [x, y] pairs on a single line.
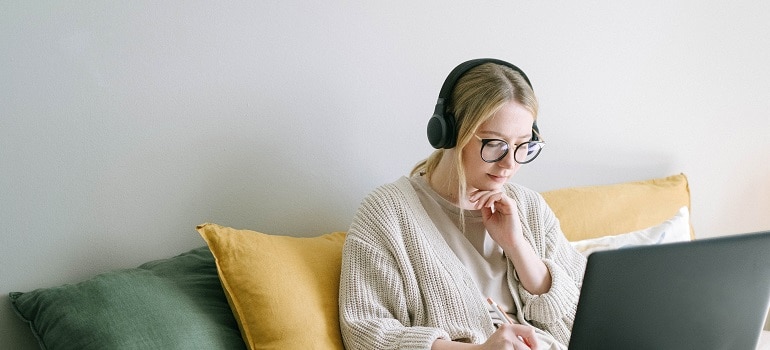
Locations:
{"points": [[501, 219], [553, 311], [375, 302], [508, 336]]}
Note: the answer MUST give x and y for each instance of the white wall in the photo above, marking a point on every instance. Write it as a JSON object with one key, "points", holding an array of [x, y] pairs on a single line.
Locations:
{"points": [[125, 124]]}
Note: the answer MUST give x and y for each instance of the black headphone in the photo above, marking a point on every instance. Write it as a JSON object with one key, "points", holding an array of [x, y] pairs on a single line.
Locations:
{"points": [[442, 126]]}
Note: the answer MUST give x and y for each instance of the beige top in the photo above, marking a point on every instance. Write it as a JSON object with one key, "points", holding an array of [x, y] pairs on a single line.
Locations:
{"points": [[482, 256]]}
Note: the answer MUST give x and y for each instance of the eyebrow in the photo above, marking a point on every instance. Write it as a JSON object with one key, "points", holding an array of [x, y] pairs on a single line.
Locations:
{"points": [[500, 135]]}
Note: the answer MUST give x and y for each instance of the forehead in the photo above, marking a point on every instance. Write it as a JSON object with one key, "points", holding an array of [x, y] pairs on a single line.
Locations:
{"points": [[512, 121]]}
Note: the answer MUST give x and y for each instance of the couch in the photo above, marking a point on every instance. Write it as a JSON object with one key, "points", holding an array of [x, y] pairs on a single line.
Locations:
{"points": [[246, 289]]}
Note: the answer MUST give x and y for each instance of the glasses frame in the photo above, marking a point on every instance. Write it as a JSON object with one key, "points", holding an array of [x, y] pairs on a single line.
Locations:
{"points": [[516, 147]]}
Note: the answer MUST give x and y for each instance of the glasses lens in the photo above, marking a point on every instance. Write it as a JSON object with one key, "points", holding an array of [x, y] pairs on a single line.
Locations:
{"points": [[494, 150], [527, 152]]}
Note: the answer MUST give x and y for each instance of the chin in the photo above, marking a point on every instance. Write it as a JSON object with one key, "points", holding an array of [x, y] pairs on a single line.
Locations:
{"points": [[491, 186]]}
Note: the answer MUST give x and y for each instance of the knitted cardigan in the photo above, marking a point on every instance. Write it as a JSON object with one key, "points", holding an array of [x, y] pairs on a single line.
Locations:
{"points": [[402, 287]]}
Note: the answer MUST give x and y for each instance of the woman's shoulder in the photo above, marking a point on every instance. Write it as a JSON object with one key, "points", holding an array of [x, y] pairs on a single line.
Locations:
{"points": [[390, 189], [525, 196], [521, 190], [391, 194], [381, 211]]}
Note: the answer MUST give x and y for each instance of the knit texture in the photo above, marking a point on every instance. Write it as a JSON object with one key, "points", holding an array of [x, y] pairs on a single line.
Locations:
{"points": [[402, 287]]}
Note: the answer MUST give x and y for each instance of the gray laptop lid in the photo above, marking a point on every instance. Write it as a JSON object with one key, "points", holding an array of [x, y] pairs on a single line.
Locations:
{"points": [[705, 294]]}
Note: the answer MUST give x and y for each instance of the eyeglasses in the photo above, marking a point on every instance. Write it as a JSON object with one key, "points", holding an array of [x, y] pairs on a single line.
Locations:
{"points": [[494, 150]]}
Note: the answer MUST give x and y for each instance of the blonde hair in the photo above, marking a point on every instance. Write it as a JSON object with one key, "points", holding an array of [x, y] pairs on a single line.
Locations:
{"points": [[476, 97]]}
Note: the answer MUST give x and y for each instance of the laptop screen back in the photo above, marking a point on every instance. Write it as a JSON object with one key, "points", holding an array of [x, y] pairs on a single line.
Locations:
{"points": [[705, 294]]}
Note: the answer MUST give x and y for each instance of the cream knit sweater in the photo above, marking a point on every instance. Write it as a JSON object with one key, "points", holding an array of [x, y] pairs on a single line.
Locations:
{"points": [[402, 287]]}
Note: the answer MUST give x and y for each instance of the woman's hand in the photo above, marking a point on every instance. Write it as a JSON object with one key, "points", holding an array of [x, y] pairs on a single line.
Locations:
{"points": [[507, 337], [500, 215], [512, 336]]}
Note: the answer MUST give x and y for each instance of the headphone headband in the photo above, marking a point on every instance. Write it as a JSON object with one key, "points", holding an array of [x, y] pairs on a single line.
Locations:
{"points": [[442, 130], [462, 68]]}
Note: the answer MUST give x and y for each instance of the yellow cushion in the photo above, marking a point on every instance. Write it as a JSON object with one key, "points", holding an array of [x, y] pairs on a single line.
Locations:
{"points": [[283, 290], [595, 211]]}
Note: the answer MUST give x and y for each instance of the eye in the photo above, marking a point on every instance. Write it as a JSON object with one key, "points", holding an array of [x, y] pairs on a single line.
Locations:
{"points": [[498, 144]]}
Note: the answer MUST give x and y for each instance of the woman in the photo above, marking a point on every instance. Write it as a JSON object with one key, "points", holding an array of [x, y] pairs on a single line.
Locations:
{"points": [[431, 258]]}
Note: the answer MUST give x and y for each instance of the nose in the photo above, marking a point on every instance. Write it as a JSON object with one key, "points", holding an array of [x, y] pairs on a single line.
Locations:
{"points": [[507, 162]]}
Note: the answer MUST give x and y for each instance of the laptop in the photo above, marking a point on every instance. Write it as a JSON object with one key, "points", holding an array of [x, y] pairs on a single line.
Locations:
{"points": [[705, 294]]}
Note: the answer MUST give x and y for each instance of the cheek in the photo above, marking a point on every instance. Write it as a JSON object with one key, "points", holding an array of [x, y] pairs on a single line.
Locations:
{"points": [[472, 160], [475, 167]]}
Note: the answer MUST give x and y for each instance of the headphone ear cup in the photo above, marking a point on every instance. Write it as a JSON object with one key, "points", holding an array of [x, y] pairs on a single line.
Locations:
{"points": [[441, 131], [436, 131]]}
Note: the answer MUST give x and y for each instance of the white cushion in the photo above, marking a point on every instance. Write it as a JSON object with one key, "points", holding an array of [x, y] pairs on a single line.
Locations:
{"points": [[675, 229]]}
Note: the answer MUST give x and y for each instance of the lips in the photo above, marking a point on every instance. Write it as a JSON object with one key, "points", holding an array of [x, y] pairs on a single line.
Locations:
{"points": [[497, 178]]}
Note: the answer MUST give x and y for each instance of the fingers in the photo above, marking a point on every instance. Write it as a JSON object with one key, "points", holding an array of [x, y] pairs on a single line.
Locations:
{"points": [[530, 342], [526, 335], [514, 336], [488, 199]]}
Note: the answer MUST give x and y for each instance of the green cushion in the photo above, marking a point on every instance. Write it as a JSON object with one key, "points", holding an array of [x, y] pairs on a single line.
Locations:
{"points": [[175, 303]]}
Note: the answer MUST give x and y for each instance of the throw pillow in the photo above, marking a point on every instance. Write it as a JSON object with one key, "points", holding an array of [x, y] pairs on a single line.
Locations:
{"points": [[283, 290], [675, 229], [595, 211], [175, 303]]}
